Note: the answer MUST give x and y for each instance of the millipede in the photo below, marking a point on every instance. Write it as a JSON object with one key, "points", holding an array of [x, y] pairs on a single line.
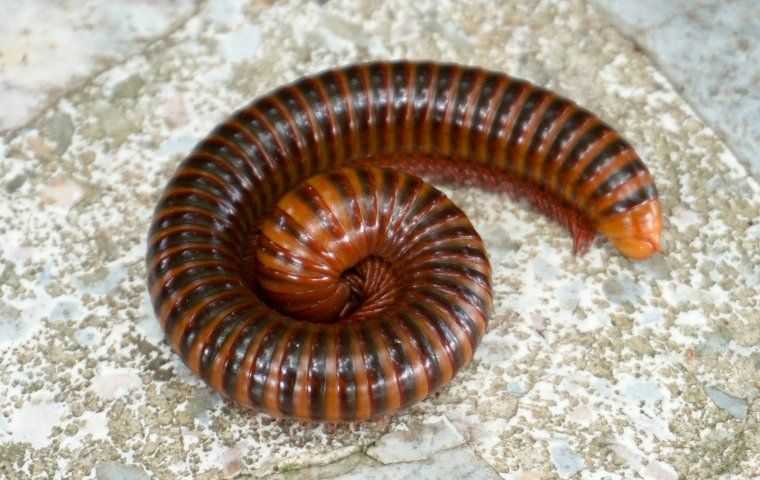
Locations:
{"points": [[300, 267]]}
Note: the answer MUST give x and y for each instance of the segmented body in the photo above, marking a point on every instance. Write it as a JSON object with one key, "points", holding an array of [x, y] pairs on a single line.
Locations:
{"points": [[329, 303]]}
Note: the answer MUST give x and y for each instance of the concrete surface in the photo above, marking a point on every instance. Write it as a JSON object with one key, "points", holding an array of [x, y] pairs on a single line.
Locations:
{"points": [[593, 368], [710, 50]]}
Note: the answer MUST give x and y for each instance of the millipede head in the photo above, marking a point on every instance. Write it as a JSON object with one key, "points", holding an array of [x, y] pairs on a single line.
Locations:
{"points": [[636, 233]]}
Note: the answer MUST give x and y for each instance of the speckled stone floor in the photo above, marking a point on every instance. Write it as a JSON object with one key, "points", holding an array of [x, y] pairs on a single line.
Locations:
{"points": [[593, 367]]}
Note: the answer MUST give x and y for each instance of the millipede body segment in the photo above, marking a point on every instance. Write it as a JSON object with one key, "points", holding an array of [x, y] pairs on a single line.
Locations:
{"points": [[299, 271]]}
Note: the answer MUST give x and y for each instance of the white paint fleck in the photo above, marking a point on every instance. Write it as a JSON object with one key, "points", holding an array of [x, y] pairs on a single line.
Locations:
{"points": [[34, 422], [649, 316], [88, 336], [225, 13], [240, 44], [110, 384], [753, 232], [147, 324], [66, 309], [691, 318], [683, 218], [642, 390], [95, 424]]}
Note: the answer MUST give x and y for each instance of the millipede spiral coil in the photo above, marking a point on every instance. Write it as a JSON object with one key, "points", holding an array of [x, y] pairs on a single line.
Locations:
{"points": [[300, 268]]}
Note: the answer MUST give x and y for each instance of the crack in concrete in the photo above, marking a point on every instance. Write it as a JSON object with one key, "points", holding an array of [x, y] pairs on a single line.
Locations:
{"points": [[631, 32], [368, 460], [54, 99], [364, 459]]}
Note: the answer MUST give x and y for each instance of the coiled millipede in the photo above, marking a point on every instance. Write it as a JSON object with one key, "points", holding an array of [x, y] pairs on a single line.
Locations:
{"points": [[298, 277]]}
